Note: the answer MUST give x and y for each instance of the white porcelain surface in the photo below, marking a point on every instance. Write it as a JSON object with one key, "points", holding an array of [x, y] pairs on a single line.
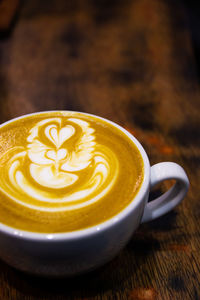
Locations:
{"points": [[80, 251]]}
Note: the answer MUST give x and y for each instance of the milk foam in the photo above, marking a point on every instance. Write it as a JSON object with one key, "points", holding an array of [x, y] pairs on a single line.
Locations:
{"points": [[61, 167]]}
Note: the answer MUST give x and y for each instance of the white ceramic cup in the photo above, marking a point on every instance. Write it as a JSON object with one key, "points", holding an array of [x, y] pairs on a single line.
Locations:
{"points": [[76, 252]]}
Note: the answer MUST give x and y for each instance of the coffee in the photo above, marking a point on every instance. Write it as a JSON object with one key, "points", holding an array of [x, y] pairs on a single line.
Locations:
{"points": [[65, 171]]}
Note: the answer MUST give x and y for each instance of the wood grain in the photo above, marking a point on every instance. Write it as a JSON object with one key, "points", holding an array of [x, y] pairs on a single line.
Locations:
{"points": [[131, 62]]}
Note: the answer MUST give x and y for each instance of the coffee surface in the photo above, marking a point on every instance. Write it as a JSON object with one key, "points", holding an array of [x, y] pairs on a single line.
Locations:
{"points": [[65, 171]]}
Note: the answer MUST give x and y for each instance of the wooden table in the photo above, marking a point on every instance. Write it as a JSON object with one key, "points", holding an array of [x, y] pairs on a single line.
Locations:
{"points": [[131, 62]]}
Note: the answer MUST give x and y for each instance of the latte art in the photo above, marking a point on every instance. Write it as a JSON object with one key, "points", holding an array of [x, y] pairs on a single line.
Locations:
{"points": [[65, 171], [49, 172]]}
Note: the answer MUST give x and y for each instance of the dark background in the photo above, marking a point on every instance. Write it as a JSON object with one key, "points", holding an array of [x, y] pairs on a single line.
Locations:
{"points": [[133, 62], [192, 12]]}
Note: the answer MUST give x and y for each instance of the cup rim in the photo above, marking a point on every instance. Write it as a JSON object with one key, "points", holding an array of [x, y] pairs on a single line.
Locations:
{"points": [[106, 225]]}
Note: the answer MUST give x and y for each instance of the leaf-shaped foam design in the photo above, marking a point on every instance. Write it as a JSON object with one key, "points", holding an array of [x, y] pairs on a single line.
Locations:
{"points": [[59, 136], [61, 164]]}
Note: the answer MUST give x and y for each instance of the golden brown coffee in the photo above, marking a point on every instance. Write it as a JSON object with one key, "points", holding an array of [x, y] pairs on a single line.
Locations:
{"points": [[65, 171]]}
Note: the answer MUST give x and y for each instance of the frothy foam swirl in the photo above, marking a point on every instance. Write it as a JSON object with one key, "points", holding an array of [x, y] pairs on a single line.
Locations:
{"points": [[60, 168]]}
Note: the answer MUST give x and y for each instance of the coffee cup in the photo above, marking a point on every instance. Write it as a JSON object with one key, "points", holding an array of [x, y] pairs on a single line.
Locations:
{"points": [[65, 213]]}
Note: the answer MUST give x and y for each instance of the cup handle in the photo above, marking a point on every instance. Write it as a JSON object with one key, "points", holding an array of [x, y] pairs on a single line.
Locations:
{"points": [[171, 198]]}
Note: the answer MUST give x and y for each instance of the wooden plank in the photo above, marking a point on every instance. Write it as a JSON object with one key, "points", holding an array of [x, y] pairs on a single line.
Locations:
{"points": [[131, 62]]}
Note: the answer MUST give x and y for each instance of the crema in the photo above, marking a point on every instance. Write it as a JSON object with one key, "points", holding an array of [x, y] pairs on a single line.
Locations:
{"points": [[65, 171]]}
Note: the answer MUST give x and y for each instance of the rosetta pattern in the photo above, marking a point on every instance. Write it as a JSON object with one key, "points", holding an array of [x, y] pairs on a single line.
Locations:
{"points": [[62, 167]]}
